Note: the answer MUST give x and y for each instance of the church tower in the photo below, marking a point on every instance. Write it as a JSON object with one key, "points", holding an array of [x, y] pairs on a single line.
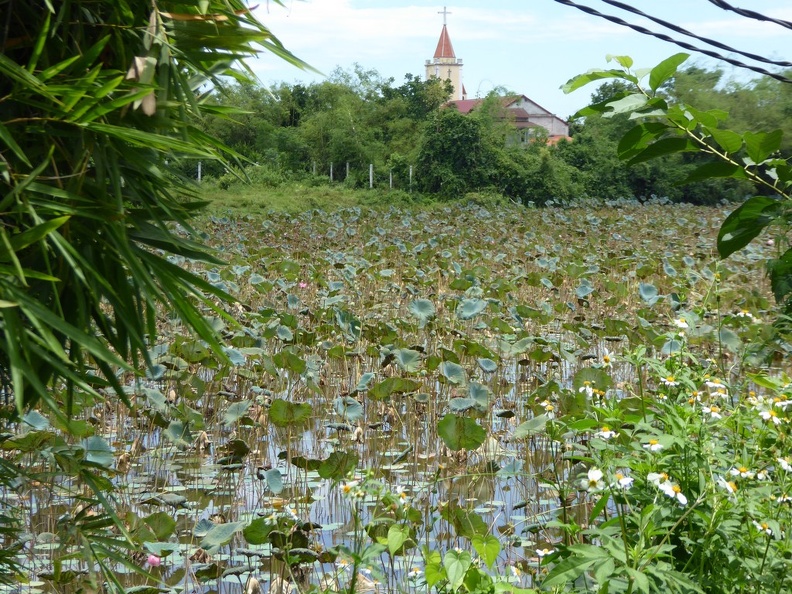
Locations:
{"points": [[445, 65]]}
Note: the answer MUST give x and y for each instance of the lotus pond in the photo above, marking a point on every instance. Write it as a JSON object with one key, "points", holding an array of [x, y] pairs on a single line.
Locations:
{"points": [[421, 399]]}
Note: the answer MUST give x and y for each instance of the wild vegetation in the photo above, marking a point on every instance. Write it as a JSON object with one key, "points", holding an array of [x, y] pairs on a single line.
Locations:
{"points": [[462, 397], [431, 395], [357, 117]]}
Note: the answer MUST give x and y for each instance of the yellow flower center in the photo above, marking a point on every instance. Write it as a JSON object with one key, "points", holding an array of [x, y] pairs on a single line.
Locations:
{"points": [[653, 442], [619, 476], [715, 409], [742, 469], [677, 489], [732, 485], [670, 378]]}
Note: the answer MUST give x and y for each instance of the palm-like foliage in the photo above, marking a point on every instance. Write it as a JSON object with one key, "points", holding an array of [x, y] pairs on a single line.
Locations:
{"points": [[96, 96]]}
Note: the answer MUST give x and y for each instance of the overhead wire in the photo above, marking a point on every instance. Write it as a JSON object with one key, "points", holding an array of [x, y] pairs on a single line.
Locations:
{"points": [[750, 14], [707, 40], [682, 44]]}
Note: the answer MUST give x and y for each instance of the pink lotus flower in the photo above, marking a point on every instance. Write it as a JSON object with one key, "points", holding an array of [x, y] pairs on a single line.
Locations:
{"points": [[154, 561]]}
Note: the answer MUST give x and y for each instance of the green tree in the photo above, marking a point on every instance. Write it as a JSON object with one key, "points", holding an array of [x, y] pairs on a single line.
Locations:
{"points": [[453, 158]]}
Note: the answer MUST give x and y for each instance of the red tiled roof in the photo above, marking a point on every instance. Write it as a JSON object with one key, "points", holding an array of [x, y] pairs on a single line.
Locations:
{"points": [[444, 47], [465, 105]]}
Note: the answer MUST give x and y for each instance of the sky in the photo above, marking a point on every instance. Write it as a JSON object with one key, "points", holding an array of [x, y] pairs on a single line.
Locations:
{"points": [[530, 47]]}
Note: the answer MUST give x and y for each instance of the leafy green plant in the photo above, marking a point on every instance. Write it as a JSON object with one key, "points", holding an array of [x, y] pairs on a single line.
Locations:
{"points": [[98, 97], [663, 128]]}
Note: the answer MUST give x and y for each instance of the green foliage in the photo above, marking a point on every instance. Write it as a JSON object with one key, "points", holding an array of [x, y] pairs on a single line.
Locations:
{"points": [[664, 128], [98, 96]]}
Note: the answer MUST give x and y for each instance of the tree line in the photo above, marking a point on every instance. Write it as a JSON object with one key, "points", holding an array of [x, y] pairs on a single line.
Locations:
{"points": [[358, 117]]}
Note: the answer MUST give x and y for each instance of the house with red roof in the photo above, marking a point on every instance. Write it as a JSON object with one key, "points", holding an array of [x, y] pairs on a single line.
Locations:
{"points": [[529, 118]]}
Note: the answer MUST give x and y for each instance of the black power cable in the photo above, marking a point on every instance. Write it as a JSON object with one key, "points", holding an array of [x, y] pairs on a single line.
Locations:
{"points": [[707, 40], [682, 44], [750, 13]]}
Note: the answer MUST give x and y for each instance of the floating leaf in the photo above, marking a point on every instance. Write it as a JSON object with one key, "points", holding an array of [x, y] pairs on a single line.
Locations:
{"points": [[338, 465], [584, 289], [220, 535], [236, 357], [461, 404], [461, 433], [531, 426], [161, 549], [648, 293], [162, 524], [364, 382], [236, 411], [488, 365], [97, 451], [274, 480], [470, 308], [349, 408], [423, 309], [257, 532], [393, 385], [453, 372], [408, 359], [285, 414]]}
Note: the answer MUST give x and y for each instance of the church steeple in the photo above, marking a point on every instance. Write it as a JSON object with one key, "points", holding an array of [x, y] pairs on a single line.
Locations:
{"points": [[445, 64], [444, 47]]}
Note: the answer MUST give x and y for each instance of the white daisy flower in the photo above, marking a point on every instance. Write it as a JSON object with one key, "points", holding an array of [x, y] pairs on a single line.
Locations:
{"points": [[653, 445], [593, 480], [681, 323], [785, 463], [729, 486], [742, 472], [624, 482], [669, 381], [712, 412], [674, 491], [605, 433], [763, 527], [771, 415]]}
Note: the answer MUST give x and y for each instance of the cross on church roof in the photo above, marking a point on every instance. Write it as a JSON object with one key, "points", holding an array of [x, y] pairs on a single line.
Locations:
{"points": [[444, 13]]}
